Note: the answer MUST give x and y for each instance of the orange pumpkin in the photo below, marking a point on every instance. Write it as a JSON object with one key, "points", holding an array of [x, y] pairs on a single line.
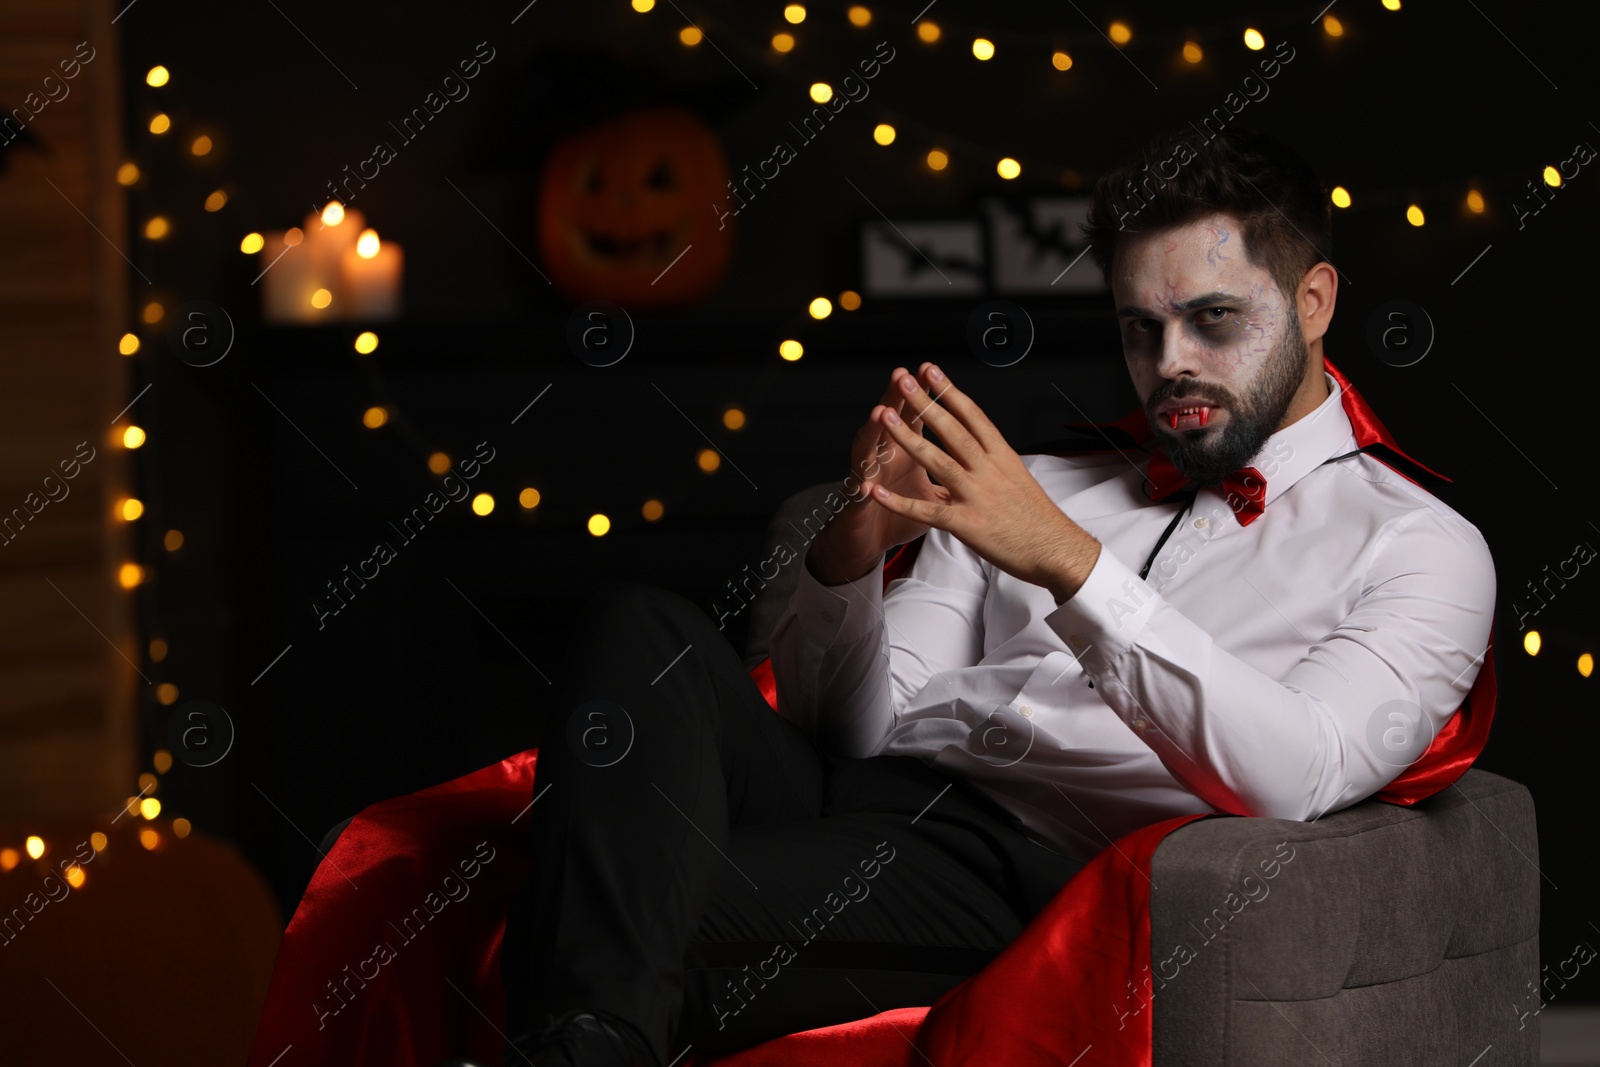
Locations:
{"points": [[621, 201]]}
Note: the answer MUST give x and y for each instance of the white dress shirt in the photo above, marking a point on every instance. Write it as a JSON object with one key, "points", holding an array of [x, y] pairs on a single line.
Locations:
{"points": [[1286, 669]]}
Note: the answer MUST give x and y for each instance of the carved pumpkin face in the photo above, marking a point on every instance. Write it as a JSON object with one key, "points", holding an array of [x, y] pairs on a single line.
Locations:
{"points": [[620, 201]]}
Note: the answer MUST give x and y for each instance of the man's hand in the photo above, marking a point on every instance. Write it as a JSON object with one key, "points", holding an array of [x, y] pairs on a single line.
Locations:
{"points": [[993, 504]]}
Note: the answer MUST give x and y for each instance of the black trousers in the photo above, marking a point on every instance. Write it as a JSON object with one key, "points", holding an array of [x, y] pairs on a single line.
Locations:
{"points": [[702, 871]]}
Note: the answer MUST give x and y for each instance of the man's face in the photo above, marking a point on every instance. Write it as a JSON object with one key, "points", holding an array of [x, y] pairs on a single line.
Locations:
{"points": [[1199, 321]]}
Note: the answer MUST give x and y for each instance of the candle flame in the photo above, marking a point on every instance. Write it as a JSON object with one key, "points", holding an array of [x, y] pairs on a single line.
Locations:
{"points": [[367, 244]]}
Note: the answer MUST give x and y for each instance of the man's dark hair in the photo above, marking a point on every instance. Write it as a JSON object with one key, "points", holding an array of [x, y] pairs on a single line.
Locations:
{"points": [[1181, 176]]}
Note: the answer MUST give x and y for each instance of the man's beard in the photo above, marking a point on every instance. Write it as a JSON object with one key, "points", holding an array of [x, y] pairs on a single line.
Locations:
{"points": [[1207, 456]]}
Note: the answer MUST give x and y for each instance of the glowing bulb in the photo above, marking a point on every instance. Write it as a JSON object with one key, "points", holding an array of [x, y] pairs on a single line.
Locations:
{"points": [[1254, 41], [883, 133], [201, 146], [147, 782], [529, 498], [367, 244], [74, 876], [1008, 168], [216, 200], [821, 308], [821, 92], [167, 693], [180, 827], [374, 417], [158, 651], [35, 846], [130, 575], [1392, 5], [172, 540], [131, 509], [599, 524], [791, 350], [795, 13], [1532, 642], [156, 228], [162, 762], [98, 840], [983, 48], [1340, 196], [160, 123], [439, 462], [366, 342], [1475, 202], [9, 858], [252, 243], [1552, 177], [1586, 664], [1414, 215], [153, 312], [642, 6], [938, 160], [127, 174], [1332, 26], [849, 299], [482, 504], [321, 298], [149, 807], [783, 42], [133, 437], [157, 77], [333, 214], [1119, 33], [652, 510], [690, 35], [293, 236], [707, 460], [149, 838], [1061, 61], [928, 32], [129, 344], [858, 15], [1192, 52], [733, 419]]}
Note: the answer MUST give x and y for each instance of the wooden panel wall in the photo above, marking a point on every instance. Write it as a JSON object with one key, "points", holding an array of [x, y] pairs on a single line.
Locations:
{"points": [[67, 696]]}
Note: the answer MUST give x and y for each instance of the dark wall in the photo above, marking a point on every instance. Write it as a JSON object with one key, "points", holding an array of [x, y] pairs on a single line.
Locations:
{"points": [[438, 666]]}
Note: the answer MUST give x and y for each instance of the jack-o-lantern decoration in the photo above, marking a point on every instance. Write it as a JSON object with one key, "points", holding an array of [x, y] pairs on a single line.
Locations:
{"points": [[620, 202]]}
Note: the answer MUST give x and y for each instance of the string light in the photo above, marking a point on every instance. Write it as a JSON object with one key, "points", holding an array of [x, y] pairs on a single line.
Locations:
{"points": [[1586, 664], [482, 504], [201, 146], [927, 32], [129, 575], [129, 344], [35, 846], [1192, 52], [366, 342], [652, 510], [690, 35], [859, 16], [252, 243], [130, 509], [983, 48], [1060, 60], [133, 437], [157, 76], [166, 693], [708, 460], [599, 524], [160, 123], [439, 462], [127, 174], [1392, 5], [791, 350], [821, 92], [153, 312], [1475, 202], [1532, 642], [1119, 33], [795, 13], [529, 498], [1552, 177], [156, 228], [321, 298], [850, 300], [216, 200], [883, 133], [820, 308], [1254, 41], [938, 159], [1340, 196], [172, 540], [1332, 26], [1008, 168], [1414, 215], [782, 42], [733, 419], [374, 417], [642, 6]]}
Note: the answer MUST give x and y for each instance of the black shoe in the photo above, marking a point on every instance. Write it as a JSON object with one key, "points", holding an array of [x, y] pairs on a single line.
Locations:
{"points": [[583, 1039]]}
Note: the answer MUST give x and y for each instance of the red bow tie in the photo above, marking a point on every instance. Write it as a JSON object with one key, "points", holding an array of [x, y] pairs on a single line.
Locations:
{"points": [[1244, 489]]}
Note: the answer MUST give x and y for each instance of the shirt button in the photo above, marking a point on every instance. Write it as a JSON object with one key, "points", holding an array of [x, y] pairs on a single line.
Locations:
{"points": [[1027, 712], [827, 616], [1139, 725], [1201, 523]]}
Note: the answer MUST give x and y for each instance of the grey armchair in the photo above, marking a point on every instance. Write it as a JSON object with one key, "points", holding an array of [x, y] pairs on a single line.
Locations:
{"points": [[1389, 936]]}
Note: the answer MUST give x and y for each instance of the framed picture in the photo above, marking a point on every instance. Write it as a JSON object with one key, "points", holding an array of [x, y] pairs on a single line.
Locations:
{"points": [[923, 258]]}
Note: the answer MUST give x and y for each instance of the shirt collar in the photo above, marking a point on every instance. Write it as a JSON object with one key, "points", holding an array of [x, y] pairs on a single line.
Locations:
{"points": [[1302, 447]]}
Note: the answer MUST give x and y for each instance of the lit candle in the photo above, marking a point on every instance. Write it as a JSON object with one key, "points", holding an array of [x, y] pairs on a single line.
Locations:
{"points": [[290, 279], [371, 278]]}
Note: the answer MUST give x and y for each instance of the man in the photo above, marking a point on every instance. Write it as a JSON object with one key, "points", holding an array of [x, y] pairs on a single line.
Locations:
{"points": [[1260, 619]]}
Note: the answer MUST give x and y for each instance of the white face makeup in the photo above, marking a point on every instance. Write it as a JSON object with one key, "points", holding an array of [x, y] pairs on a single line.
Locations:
{"points": [[1202, 324]]}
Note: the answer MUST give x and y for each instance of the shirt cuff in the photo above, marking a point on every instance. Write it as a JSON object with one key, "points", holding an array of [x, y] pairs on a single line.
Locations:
{"points": [[842, 613], [1107, 614]]}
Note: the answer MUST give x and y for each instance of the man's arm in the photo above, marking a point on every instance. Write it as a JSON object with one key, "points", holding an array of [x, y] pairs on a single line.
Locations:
{"points": [[847, 657], [1322, 737]]}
